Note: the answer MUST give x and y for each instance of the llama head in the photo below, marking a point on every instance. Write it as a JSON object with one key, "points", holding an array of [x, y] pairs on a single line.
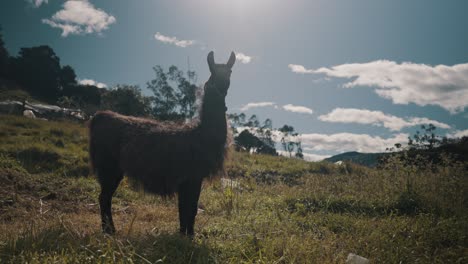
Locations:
{"points": [[221, 73]]}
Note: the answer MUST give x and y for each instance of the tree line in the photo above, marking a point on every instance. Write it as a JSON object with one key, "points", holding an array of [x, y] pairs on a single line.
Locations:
{"points": [[427, 148], [38, 71]]}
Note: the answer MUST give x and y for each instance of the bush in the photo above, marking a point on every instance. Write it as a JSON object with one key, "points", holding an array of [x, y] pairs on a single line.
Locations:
{"points": [[409, 203]]}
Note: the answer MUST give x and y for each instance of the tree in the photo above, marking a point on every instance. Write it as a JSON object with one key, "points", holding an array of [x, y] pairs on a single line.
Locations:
{"points": [[127, 100], [38, 69], [425, 140], [258, 137], [236, 120], [299, 153], [253, 121], [267, 124], [286, 142], [187, 91], [265, 133], [174, 95], [67, 76], [246, 140], [290, 141], [249, 142], [164, 98], [426, 148], [86, 97], [68, 102], [3, 56]]}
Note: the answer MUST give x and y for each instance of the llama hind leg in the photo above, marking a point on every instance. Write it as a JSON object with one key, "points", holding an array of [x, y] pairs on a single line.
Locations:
{"points": [[189, 194], [182, 197], [108, 186], [195, 190]]}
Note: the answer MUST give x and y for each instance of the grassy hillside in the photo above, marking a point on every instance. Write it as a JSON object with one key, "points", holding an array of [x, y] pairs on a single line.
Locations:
{"points": [[285, 211]]}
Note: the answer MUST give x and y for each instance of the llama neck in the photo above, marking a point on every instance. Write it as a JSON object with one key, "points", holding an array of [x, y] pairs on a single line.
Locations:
{"points": [[213, 115], [213, 128]]}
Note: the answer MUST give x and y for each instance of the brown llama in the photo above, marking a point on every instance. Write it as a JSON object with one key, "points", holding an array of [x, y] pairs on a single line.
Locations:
{"points": [[163, 157]]}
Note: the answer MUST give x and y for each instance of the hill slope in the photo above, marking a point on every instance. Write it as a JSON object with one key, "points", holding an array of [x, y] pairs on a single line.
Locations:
{"points": [[456, 148], [365, 159]]}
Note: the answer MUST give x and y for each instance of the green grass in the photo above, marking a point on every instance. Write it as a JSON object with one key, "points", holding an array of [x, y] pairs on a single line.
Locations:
{"points": [[45, 147], [13, 93], [286, 211]]}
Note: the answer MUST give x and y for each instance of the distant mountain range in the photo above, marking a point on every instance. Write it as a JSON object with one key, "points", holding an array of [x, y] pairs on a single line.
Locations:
{"points": [[365, 159], [456, 148]]}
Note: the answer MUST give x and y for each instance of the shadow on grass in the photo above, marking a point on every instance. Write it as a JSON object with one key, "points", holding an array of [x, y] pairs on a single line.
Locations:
{"points": [[174, 248], [62, 244]]}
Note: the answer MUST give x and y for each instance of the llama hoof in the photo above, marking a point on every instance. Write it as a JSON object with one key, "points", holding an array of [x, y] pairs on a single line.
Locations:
{"points": [[190, 236], [109, 230], [186, 234]]}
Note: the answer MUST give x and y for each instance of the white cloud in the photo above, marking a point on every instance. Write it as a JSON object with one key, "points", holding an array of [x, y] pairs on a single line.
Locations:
{"points": [[297, 109], [80, 17], [243, 58], [287, 107], [458, 134], [376, 118], [314, 157], [256, 105], [299, 69], [66, 28], [92, 82], [173, 40], [342, 142], [38, 3], [415, 121], [442, 85]]}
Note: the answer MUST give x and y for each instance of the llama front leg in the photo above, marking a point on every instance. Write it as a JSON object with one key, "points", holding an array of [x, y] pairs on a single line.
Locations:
{"points": [[108, 187], [105, 203], [189, 194]]}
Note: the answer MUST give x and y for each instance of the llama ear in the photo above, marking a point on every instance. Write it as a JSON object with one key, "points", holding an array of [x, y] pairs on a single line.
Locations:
{"points": [[211, 62], [231, 60]]}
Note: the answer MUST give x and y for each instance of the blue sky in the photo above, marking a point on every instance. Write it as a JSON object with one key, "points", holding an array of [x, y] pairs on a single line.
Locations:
{"points": [[348, 75]]}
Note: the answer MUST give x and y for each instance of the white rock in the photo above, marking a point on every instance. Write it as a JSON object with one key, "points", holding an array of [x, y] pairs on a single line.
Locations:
{"points": [[29, 114], [356, 259], [77, 115], [339, 163]]}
